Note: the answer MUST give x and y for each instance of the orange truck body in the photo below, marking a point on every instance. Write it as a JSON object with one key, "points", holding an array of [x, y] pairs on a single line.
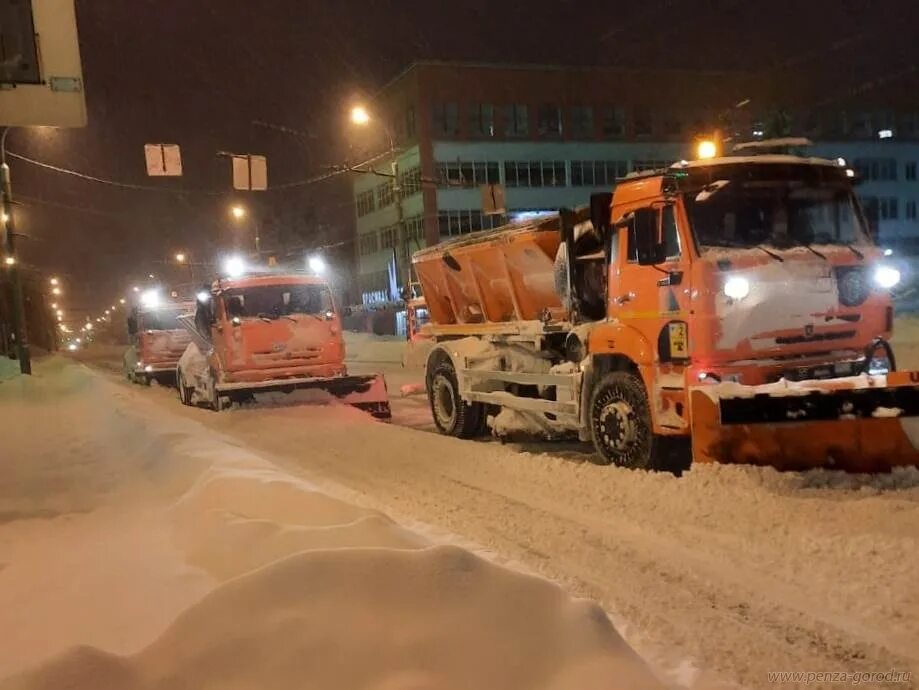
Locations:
{"points": [[798, 343], [158, 342], [272, 332]]}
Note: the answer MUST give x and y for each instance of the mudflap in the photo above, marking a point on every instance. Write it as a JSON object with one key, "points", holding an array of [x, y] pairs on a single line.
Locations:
{"points": [[366, 393], [860, 424]]}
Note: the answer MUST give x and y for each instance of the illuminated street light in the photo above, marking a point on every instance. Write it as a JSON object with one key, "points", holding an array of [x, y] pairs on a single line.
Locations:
{"points": [[54, 281], [360, 115], [59, 312], [238, 212], [135, 289], [88, 326], [54, 305], [56, 291], [9, 261], [180, 257], [107, 312], [122, 301], [4, 217]]}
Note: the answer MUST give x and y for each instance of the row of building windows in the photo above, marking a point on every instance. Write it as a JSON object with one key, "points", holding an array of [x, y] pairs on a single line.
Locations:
{"points": [[541, 173], [521, 120], [888, 208], [464, 221], [383, 194], [386, 237], [883, 169]]}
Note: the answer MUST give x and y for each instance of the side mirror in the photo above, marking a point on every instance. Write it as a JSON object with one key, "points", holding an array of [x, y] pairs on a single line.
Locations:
{"points": [[646, 233], [132, 325], [600, 205]]}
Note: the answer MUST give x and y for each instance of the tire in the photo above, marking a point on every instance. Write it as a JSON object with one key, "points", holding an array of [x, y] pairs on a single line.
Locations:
{"points": [[216, 401], [620, 422], [452, 416]]}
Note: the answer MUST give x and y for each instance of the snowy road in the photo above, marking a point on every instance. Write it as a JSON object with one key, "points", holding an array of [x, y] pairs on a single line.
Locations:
{"points": [[736, 571]]}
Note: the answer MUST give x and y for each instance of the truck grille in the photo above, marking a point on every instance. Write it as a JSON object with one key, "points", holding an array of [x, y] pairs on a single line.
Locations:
{"points": [[814, 337]]}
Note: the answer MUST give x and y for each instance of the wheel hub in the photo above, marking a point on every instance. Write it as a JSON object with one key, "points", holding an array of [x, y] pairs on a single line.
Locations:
{"points": [[618, 426]]}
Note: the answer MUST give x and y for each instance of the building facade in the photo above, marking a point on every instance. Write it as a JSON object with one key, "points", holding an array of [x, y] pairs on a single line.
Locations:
{"points": [[551, 136]]}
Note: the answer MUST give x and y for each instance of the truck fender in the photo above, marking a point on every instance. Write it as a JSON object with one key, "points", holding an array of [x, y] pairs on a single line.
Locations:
{"points": [[457, 352]]}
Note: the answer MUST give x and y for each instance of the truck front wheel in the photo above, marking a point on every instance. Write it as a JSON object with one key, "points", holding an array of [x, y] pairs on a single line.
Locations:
{"points": [[453, 416], [620, 422]]}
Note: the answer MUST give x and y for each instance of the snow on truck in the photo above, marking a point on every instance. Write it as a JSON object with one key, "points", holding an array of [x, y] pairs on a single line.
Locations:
{"points": [[268, 332], [157, 339], [724, 310]]}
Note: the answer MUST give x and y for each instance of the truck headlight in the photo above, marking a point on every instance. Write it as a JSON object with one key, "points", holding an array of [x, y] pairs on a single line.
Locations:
{"points": [[736, 287], [886, 277]]}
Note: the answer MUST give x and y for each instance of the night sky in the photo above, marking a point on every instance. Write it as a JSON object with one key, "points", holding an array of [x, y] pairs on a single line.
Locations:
{"points": [[198, 72]]}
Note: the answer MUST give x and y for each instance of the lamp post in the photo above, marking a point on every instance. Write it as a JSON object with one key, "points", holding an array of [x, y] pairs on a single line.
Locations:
{"points": [[184, 258], [239, 213], [362, 117], [19, 312]]}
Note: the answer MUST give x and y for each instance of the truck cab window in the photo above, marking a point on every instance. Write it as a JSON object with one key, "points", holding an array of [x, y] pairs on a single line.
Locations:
{"points": [[671, 235]]}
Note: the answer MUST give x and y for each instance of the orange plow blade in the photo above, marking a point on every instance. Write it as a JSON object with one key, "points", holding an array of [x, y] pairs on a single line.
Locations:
{"points": [[860, 424]]}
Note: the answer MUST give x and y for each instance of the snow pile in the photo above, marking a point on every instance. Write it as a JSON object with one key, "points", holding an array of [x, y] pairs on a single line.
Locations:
{"points": [[906, 342], [369, 618], [8, 367], [183, 560]]}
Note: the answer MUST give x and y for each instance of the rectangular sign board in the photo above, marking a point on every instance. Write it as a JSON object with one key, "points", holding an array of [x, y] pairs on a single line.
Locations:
{"points": [[250, 173], [41, 76], [163, 160]]}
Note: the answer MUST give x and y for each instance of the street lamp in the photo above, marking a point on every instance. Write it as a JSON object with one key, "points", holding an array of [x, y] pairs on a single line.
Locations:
{"points": [[238, 212], [362, 117], [180, 258], [122, 300], [54, 281], [56, 291]]}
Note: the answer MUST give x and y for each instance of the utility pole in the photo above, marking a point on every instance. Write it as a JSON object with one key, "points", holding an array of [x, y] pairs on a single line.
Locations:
{"points": [[401, 240], [19, 311]]}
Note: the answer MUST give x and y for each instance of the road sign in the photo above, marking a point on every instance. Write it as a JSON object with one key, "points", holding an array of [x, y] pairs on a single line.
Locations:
{"points": [[250, 173], [494, 199], [163, 160], [41, 77]]}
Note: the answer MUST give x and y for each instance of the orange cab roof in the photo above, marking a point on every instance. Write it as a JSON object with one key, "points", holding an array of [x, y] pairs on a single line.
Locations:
{"points": [[262, 279]]}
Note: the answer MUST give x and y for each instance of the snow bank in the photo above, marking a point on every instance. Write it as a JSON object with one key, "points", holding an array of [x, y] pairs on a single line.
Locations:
{"points": [[305, 590], [8, 367]]}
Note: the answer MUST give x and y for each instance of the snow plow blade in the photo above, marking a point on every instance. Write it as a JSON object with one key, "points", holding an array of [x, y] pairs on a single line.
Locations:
{"points": [[366, 392], [860, 424]]}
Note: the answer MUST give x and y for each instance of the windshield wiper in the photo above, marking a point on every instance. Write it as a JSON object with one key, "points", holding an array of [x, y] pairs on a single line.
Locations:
{"points": [[854, 250], [770, 253], [812, 250], [290, 318]]}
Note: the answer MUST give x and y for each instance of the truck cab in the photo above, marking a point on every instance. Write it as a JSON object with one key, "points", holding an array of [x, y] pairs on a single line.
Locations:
{"points": [[157, 341], [267, 332]]}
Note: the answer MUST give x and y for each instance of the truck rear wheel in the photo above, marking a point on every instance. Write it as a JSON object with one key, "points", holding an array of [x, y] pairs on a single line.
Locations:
{"points": [[452, 416], [620, 422]]}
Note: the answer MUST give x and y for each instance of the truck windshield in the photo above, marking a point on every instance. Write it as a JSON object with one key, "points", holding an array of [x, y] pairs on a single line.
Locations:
{"points": [[163, 319], [780, 214], [275, 301]]}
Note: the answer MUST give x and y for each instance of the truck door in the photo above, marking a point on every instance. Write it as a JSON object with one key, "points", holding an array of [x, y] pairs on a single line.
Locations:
{"points": [[653, 300]]}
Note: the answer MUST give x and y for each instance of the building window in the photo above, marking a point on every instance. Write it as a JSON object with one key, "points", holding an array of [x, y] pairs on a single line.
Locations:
{"points": [[384, 194], [881, 208], [613, 121], [910, 171], [581, 124], [388, 237], [642, 122], [535, 174], [468, 174], [446, 119], [876, 169], [365, 203], [368, 244], [597, 173], [464, 221], [516, 120], [482, 120], [410, 127], [909, 125], [410, 181], [910, 210], [550, 119], [414, 231]]}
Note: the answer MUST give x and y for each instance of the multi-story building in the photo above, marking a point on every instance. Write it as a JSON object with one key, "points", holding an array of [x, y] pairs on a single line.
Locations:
{"points": [[551, 136]]}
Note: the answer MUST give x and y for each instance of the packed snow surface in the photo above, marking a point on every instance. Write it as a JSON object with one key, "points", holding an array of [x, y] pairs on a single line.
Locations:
{"points": [[140, 549]]}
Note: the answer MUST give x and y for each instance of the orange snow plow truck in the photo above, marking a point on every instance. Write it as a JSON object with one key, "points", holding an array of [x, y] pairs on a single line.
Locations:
{"points": [[157, 340], [269, 332], [726, 310]]}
